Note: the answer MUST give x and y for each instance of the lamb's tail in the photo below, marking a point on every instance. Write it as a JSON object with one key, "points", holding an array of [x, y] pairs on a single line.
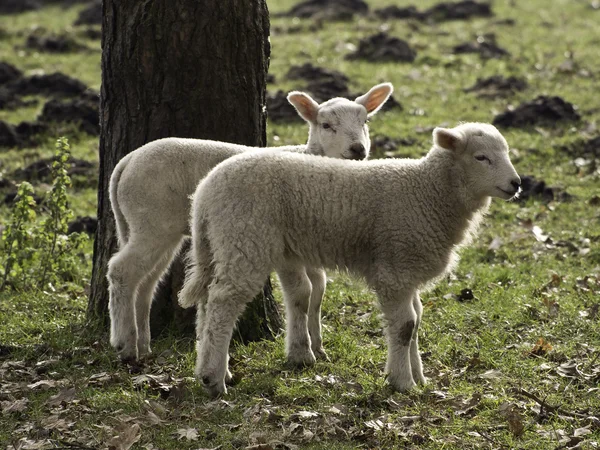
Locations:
{"points": [[115, 178], [199, 272]]}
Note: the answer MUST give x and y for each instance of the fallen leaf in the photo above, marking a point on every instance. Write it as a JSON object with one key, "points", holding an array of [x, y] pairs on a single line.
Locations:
{"points": [[552, 306], [304, 415], [491, 374], [539, 234], [513, 417], [374, 424], [54, 422], [17, 406], [191, 434], [30, 444], [495, 244], [66, 395], [541, 348], [128, 435], [42, 384], [582, 431]]}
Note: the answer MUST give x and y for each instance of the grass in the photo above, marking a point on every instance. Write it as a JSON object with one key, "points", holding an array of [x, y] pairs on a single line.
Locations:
{"points": [[533, 326]]}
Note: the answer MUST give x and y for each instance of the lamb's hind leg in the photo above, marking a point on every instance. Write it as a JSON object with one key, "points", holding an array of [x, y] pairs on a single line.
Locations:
{"points": [[125, 271], [226, 302], [415, 358], [297, 289], [318, 280], [145, 293]]}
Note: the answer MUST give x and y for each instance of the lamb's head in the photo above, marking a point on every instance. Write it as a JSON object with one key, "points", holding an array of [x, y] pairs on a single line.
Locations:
{"points": [[482, 153], [338, 127]]}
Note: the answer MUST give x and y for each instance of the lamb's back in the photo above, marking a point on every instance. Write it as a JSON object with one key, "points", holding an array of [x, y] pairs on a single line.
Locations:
{"points": [[322, 210]]}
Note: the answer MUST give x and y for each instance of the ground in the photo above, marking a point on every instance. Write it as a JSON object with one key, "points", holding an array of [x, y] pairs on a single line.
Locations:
{"points": [[510, 341]]}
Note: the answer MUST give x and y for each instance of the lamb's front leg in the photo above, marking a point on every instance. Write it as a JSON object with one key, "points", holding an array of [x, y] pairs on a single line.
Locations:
{"points": [[415, 358], [297, 288], [401, 318]]}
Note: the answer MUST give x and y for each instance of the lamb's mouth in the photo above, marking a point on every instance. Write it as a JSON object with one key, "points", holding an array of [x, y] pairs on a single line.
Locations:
{"points": [[510, 194]]}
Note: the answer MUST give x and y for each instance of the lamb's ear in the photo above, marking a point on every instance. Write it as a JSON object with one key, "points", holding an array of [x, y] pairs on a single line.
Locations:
{"points": [[375, 98], [446, 138], [305, 105]]}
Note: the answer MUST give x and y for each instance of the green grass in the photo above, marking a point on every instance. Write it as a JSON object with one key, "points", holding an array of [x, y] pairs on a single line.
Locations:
{"points": [[477, 354]]}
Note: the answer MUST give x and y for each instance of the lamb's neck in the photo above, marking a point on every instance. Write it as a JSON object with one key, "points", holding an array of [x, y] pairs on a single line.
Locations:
{"points": [[313, 146], [452, 202]]}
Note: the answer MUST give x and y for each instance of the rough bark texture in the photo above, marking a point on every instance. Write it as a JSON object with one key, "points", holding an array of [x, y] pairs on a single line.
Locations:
{"points": [[190, 69]]}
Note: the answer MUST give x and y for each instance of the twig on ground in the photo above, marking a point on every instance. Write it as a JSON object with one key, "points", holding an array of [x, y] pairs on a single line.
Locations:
{"points": [[546, 406]]}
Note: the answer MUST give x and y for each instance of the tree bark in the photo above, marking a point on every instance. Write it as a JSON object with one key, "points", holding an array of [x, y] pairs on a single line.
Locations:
{"points": [[192, 69]]}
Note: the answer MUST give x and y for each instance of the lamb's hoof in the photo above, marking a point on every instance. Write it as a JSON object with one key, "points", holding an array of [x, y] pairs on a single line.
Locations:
{"points": [[228, 378], [420, 379], [321, 354], [301, 359], [127, 355], [214, 389], [144, 351], [401, 384]]}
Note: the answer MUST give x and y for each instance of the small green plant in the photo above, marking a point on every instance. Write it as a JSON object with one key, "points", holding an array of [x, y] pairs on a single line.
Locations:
{"points": [[17, 235], [38, 252]]}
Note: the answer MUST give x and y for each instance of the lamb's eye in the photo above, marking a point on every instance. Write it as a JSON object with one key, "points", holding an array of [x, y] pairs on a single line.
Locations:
{"points": [[326, 126], [483, 158]]}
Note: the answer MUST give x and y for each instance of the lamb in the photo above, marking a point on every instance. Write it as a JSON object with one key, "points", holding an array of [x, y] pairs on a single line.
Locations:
{"points": [[150, 190], [396, 223]]}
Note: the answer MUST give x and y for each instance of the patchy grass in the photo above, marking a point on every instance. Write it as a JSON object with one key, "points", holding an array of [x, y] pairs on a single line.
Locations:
{"points": [[515, 367]]}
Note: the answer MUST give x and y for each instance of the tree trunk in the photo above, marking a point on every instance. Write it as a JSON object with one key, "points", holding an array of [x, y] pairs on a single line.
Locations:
{"points": [[192, 69]]}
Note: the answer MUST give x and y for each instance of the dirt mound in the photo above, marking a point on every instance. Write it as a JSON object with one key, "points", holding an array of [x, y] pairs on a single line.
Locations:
{"points": [[9, 100], [383, 47], [279, 109], [5, 183], [91, 33], [85, 112], [84, 109], [458, 11], [41, 170], [92, 15], [8, 72], [20, 135], [64, 3], [396, 12], [381, 144], [84, 224], [327, 9], [28, 130], [56, 84], [18, 6], [585, 149], [543, 110], [391, 103], [325, 89], [497, 86], [592, 147], [310, 72], [485, 45], [532, 188], [53, 43], [8, 136], [439, 13]]}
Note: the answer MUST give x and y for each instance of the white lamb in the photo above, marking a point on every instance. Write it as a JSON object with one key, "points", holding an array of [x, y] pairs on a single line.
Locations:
{"points": [[150, 190], [397, 223]]}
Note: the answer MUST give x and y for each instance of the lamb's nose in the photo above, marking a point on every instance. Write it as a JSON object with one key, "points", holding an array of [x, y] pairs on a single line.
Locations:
{"points": [[516, 183], [358, 151]]}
